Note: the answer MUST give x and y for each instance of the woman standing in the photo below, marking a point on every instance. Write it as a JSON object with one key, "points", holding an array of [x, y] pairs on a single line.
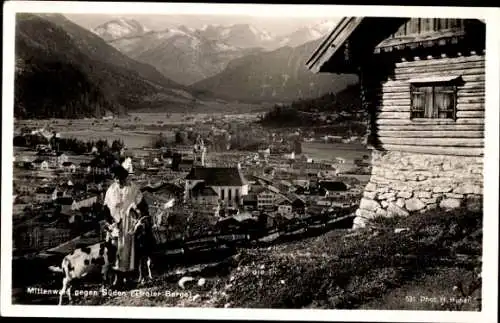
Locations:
{"points": [[126, 205]]}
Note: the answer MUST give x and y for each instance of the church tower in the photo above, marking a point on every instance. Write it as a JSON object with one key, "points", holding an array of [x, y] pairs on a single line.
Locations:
{"points": [[199, 152]]}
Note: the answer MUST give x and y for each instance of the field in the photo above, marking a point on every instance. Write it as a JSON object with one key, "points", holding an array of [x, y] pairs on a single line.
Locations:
{"points": [[136, 130], [139, 129]]}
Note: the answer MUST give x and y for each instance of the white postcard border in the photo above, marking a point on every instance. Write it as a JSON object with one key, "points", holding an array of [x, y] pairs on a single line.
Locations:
{"points": [[490, 233]]}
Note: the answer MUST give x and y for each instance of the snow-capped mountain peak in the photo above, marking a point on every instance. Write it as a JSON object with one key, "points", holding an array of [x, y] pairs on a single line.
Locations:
{"points": [[307, 33], [238, 35], [324, 27], [119, 28]]}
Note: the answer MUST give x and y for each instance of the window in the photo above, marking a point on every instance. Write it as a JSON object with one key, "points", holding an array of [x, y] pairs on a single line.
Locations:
{"points": [[222, 191], [433, 100]]}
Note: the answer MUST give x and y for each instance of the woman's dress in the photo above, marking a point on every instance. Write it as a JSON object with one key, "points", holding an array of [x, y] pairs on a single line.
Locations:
{"points": [[119, 201]]}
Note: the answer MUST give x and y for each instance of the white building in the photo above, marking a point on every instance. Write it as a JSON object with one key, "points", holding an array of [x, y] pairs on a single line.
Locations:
{"points": [[40, 164], [228, 182], [266, 198]]}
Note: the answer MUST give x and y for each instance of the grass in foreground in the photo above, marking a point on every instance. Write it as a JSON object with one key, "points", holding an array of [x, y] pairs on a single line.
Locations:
{"points": [[438, 256], [434, 264]]}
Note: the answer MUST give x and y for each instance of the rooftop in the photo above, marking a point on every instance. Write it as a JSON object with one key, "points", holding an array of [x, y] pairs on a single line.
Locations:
{"points": [[200, 189], [218, 176], [333, 186]]}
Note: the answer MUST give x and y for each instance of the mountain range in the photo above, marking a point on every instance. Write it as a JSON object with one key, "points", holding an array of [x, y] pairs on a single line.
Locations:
{"points": [[64, 70], [189, 55], [278, 75]]}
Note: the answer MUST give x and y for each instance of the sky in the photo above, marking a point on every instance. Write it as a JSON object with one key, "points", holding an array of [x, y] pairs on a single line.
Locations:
{"points": [[275, 25]]}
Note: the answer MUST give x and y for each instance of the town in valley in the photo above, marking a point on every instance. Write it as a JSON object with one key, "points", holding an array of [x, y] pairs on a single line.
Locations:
{"points": [[319, 163]]}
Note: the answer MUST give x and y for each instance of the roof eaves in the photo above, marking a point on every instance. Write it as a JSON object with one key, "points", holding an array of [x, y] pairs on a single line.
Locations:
{"points": [[332, 43]]}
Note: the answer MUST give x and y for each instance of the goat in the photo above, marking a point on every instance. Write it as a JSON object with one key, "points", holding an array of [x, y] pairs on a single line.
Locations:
{"points": [[83, 261], [144, 241]]}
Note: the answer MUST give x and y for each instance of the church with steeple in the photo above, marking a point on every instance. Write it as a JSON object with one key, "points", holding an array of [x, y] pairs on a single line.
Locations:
{"points": [[199, 152], [228, 183]]}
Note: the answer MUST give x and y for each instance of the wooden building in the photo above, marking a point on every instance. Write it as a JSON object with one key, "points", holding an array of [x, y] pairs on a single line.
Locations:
{"points": [[423, 84]]}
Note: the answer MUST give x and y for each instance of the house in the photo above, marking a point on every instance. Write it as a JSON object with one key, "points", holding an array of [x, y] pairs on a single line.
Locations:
{"points": [[23, 164], [25, 188], [302, 182], [327, 173], [250, 202], [99, 166], [165, 190], [65, 203], [228, 182], [202, 194], [60, 192], [265, 152], [285, 207], [340, 160], [297, 204], [85, 167], [266, 197], [84, 201], [332, 188], [61, 158], [43, 194], [40, 164], [68, 167], [423, 85], [185, 165]]}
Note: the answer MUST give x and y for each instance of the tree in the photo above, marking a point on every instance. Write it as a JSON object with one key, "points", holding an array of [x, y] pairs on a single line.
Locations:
{"points": [[297, 147], [19, 141], [159, 141], [117, 145], [180, 137]]}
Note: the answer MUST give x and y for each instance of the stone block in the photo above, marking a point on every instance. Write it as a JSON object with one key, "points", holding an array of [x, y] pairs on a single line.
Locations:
{"points": [[468, 189], [423, 195], [442, 189], [371, 187], [454, 196], [384, 204], [395, 210], [381, 212], [450, 203], [365, 214], [405, 195], [386, 196], [402, 178], [431, 206], [369, 205], [382, 189], [370, 195], [414, 204], [359, 223], [400, 202], [431, 200]]}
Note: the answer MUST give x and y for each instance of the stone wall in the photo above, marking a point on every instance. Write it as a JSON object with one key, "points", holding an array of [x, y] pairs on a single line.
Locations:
{"points": [[404, 183]]}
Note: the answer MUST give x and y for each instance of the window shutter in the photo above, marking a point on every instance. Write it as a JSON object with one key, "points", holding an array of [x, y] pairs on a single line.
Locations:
{"points": [[444, 101], [429, 102]]}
